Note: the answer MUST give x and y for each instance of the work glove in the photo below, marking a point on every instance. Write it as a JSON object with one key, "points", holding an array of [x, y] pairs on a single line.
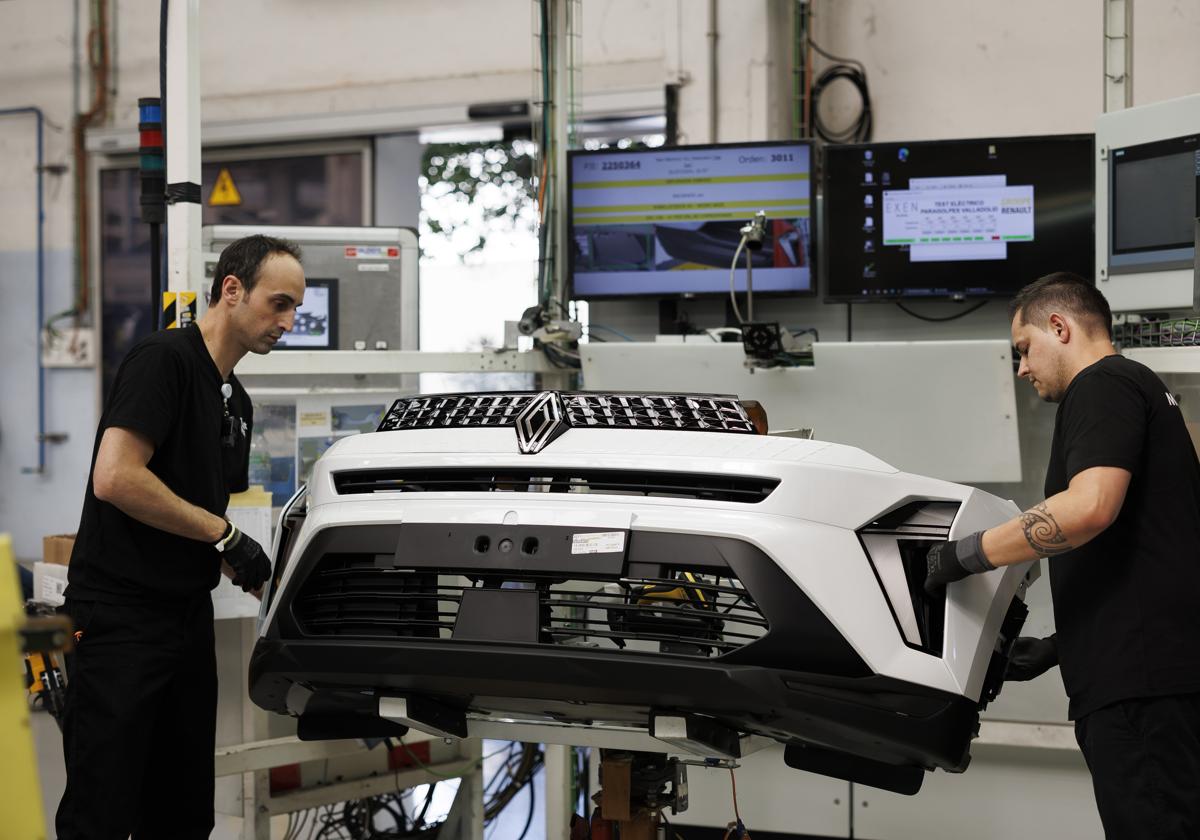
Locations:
{"points": [[250, 564], [1031, 657], [946, 562]]}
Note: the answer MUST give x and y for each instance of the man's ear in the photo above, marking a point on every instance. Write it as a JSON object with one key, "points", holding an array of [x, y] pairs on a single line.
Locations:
{"points": [[231, 289], [1059, 327]]}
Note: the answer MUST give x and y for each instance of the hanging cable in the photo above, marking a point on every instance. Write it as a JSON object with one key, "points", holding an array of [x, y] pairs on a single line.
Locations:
{"points": [[931, 319], [854, 72], [732, 291]]}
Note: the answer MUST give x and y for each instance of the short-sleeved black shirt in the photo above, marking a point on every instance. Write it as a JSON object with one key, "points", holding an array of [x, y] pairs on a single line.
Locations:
{"points": [[1127, 604], [169, 389]]}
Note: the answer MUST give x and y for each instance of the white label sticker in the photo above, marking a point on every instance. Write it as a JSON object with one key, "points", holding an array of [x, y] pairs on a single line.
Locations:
{"points": [[374, 267], [371, 252], [604, 542]]}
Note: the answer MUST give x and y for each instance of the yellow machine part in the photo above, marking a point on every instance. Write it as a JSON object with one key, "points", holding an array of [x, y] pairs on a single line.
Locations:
{"points": [[20, 793]]}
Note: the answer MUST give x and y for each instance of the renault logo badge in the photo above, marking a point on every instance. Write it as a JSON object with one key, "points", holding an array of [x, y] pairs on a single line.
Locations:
{"points": [[539, 423]]}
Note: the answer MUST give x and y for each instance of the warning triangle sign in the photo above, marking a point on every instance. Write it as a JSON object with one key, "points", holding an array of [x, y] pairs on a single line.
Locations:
{"points": [[224, 193]]}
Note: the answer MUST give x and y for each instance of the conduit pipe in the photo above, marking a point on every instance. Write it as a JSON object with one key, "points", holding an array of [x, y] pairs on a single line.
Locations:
{"points": [[41, 282]]}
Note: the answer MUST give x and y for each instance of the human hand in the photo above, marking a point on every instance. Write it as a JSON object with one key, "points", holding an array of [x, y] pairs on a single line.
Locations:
{"points": [[250, 564], [942, 567], [946, 562], [1031, 657]]}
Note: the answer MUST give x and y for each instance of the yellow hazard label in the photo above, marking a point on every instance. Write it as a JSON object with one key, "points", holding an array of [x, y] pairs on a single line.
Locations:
{"points": [[179, 309], [225, 192]]}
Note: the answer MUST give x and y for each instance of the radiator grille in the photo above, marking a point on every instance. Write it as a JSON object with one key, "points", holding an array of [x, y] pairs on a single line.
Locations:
{"points": [[657, 411], [691, 412], [702, 486], [455, 411], [682, 613]]}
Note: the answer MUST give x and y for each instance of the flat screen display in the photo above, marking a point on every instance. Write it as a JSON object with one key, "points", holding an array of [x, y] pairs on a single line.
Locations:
{"points": [[959, 218], [666, 221], [1154, 195], [315, 326]]}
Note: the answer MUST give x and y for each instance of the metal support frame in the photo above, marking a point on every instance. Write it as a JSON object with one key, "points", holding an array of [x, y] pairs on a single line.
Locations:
{"points": [[559, 769], [316, 363], [254, 759], [1118, 54], [184, 271]]}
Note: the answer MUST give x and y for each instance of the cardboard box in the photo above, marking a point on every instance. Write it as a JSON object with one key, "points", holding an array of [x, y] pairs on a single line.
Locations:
{"points": [[57, 548]]}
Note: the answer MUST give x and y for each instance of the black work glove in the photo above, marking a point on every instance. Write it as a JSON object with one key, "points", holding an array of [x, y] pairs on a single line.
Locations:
{"points": [[946, 562], [250, 564], [1031, 657]]}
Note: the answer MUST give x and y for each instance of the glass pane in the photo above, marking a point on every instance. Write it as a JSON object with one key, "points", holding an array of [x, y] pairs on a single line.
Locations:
{"points": [[308, 190], [124, 269], [302, 190]]}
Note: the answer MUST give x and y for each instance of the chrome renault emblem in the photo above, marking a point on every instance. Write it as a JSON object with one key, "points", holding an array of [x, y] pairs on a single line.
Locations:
{"points": [[539, 423]]}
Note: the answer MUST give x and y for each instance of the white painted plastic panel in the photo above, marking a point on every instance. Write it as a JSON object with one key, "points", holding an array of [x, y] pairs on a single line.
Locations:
{"points": [[940, 408]]}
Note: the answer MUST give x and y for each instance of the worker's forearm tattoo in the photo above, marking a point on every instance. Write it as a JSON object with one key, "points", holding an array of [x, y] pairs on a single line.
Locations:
{"points": [[1042, 531]]}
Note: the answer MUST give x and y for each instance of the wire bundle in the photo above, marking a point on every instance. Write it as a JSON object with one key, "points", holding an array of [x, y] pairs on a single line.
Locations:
{"points": [[854, 72], [358, 819]]}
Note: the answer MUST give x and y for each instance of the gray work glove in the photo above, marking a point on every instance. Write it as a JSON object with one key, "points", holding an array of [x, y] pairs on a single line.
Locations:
{"points": [[1031, 657], [250, 564], [946, 562]]}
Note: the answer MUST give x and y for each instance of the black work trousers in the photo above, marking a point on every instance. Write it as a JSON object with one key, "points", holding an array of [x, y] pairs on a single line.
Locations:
{"points": [[1144, 756], [140, 722]]}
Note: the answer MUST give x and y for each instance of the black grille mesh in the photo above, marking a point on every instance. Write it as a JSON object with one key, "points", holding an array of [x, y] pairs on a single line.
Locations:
{"points": [[580, 409], [683, 613]]}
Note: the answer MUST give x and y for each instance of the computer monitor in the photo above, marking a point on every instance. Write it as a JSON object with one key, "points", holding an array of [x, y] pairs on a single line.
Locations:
{"points": [[1154, 198], [665, 222], [315, 326], [1147, 198], [957, 218]]}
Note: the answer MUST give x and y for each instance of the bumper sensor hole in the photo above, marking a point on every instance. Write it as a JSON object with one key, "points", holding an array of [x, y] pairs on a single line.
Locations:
{"points": [[529, 546], [482, 544]]}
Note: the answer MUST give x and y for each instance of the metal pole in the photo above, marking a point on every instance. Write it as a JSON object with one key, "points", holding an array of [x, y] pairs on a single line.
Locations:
{"points": [[713, 98], [184, 271], [41, 283]]}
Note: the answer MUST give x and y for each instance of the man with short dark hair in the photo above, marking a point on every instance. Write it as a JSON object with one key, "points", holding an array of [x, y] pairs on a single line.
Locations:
{"points": [[1121, 522], [173, 443]]}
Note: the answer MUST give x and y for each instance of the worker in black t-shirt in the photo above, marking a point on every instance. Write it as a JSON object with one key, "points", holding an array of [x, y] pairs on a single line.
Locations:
{"points": [[1121, 524], [173, 442]]}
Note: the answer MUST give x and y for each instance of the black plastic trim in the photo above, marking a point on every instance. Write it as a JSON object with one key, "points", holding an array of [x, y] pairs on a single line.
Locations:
{"points": [[873, 717]]}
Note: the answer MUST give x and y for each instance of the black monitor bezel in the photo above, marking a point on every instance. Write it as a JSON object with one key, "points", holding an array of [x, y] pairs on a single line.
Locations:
{"points": [[831, 297], [814, 223], [330, 283]]}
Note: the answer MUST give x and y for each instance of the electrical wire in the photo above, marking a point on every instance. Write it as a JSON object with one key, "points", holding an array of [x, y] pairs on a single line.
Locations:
{"points": [[732, 291], [618, 333], [854, 72], [931, 319]]}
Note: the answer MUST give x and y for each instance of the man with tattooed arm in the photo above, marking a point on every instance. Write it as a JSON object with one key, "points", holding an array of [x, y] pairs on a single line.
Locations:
{"points": [[1121, 524]]}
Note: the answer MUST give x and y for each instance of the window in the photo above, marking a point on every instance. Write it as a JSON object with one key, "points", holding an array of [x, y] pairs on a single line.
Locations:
{"points": [[278, 186]]}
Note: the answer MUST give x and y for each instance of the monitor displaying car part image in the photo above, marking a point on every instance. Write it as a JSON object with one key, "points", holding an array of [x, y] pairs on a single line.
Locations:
{"points": [[315, 326], [361, 284], [952, 219], [669, 221]]}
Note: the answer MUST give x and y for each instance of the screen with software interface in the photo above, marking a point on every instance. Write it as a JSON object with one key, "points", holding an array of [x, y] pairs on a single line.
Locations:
{"points": [[313, 327], [666, 221], [958, 218]]}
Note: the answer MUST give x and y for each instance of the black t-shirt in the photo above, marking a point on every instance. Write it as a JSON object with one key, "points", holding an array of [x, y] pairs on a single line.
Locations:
{"points": [[169, 389], [1127, 604]]}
